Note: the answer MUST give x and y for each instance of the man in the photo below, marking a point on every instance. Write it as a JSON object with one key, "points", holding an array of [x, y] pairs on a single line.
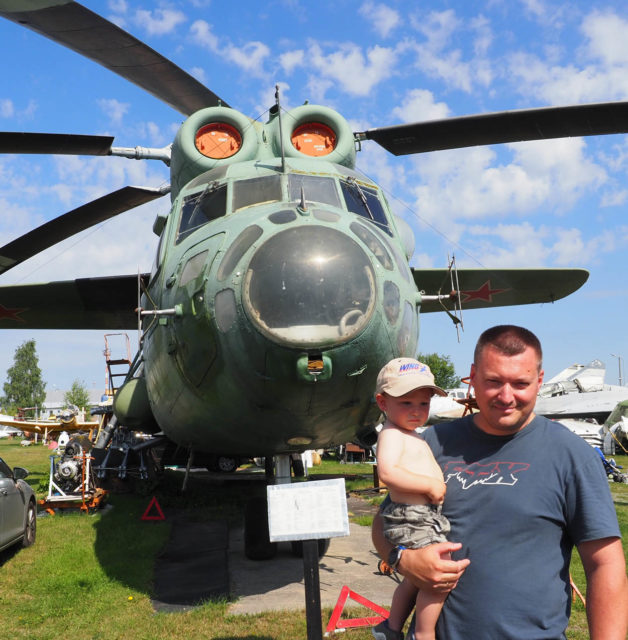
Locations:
{"points": [[521, 492]]}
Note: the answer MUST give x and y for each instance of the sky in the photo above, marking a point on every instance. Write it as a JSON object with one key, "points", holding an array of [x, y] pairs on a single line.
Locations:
{"points": [[559, 203]]}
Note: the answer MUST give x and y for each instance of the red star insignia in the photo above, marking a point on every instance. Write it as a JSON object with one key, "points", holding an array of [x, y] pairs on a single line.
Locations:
{"points": [[10, 314], [483, 293]]}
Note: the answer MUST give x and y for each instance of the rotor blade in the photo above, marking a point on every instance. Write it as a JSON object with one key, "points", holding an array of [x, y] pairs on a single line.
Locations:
{"points": [[86, 303], [502, 126], [55, 143], [484, 288], [70, 223], [89, 34]]}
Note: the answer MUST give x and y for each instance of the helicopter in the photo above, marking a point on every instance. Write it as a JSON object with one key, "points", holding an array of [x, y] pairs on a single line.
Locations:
{"points": [[282, 282]]}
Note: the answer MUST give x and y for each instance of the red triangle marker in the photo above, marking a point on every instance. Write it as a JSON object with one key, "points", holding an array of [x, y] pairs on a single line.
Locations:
{"points": [[160, 514], [336, 624]]}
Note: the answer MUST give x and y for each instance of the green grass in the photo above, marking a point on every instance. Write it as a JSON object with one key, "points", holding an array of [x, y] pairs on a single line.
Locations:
{"points": [[89, 576]]}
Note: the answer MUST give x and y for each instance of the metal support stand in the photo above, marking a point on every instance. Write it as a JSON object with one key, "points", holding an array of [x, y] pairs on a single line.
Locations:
{"points": [[188, 466], [312, 590]]}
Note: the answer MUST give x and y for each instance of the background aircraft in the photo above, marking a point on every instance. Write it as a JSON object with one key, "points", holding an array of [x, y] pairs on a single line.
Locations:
{"points": [[580, 391]]}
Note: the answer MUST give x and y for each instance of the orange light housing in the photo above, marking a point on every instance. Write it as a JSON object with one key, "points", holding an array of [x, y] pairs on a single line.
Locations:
{"points": [[218, 140], [314, 139]]}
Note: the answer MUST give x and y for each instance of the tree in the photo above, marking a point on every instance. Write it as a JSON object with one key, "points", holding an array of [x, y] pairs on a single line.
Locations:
{"points": [[443, 369], [78, 395], [24, 386]]}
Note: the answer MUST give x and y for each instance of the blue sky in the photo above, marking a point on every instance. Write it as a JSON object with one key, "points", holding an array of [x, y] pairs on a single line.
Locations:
{"points": [[560, 203]]}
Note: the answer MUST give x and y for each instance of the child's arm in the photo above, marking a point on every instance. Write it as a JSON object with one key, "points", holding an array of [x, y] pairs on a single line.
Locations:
{"points": [[390, 447]]}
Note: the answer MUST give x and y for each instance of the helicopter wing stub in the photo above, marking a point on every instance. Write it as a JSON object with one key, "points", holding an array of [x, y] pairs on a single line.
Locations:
{"points": [[55, 143], [73, 222], [76, 27], [106, 303], [502, 126], [484, 288]]}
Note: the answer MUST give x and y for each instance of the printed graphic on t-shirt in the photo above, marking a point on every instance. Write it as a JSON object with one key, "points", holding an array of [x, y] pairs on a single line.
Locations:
{"points": [[490, 473]]}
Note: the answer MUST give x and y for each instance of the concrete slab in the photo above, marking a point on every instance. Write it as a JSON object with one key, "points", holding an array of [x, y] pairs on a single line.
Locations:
{"points": [[204, 560], [278, 584]]}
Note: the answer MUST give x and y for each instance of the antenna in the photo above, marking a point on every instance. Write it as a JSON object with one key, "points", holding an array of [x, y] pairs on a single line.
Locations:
{"points": [[455, 288], [283, 157]]}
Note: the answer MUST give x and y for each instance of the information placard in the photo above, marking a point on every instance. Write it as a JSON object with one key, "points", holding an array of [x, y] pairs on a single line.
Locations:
{"points": [[307, 510]]}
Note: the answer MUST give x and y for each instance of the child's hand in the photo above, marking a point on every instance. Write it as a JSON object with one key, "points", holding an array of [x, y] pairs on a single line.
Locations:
{"points": [[436, 493]]}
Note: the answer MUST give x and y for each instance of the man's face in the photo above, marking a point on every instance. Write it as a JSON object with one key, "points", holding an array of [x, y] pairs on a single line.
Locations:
{"points": [[408, 411], [505, 389]]}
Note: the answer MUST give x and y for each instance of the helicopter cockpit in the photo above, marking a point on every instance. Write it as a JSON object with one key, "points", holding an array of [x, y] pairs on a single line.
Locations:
{"points": [[211, 203]]}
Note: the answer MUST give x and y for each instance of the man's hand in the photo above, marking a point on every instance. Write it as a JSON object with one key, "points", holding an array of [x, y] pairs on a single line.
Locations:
{"points": [[427, 568], [432, 567]]}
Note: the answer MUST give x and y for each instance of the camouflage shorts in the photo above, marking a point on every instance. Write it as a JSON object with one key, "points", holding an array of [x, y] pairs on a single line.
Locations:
{"points": [[414, 525]]}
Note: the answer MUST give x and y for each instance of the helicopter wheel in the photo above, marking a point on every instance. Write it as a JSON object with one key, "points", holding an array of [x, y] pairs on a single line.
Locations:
{"points": [[257, 544], [298, 468]]}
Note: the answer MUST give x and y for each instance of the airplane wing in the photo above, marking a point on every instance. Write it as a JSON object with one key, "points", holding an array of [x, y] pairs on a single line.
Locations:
{"points": [[85, 303], [35, 426], [483, 288]]}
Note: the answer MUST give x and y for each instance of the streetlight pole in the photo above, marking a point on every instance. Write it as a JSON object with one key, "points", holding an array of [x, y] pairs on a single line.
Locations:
{"points": [[621, 382]]}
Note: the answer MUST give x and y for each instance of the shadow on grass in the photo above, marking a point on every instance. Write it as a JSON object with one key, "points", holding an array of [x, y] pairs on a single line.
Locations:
{"points": [[9, 554], [127, 546]]}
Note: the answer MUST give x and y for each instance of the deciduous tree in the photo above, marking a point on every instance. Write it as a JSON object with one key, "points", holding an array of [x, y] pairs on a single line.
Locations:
{"points": [[443, 369], [78, 395], [24, 386]]}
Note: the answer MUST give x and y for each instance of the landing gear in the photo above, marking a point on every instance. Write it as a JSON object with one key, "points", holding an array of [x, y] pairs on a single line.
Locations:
{"points": [[257, 544]]}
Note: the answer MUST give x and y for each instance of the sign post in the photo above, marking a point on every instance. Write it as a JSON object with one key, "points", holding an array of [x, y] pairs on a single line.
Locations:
{"points": [[308, 511]]}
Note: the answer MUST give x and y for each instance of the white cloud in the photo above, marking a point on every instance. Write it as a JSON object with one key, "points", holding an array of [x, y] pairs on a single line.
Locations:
{"points": [[382, 17], [290, 60], [7, 110], [203, 35], [468, 184], [159, 21], [418, 105], [524, 245], [437, 59], [356, 72], [118, 6], [606, 33], [249, 57], [599, 72], [113, 109]]}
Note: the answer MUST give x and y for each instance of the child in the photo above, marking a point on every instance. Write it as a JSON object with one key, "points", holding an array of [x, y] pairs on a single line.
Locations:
{"points": [[415, 481]]}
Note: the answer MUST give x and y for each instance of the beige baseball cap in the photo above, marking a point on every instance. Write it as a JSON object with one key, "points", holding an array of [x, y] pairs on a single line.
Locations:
{"points": [[402, 375]]}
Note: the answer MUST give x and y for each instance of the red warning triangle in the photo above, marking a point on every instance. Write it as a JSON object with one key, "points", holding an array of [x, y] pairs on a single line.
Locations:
{"points": [[336, 624], [160, 514]]}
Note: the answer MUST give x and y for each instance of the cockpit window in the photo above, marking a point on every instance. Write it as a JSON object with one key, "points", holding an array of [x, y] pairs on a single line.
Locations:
{"points": [[364, 202], [199, 209], [315, 189], [256, 191]]}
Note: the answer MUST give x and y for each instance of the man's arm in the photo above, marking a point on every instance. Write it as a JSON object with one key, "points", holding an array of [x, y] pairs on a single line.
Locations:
{"points": [[607, 588], [424, 567]]}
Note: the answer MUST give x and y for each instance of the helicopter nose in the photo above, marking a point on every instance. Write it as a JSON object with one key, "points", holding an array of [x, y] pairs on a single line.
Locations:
{"points": [[310, 287]]}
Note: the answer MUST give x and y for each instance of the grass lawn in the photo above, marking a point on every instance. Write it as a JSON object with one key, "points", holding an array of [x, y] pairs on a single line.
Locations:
{"points": [[89, 576]]}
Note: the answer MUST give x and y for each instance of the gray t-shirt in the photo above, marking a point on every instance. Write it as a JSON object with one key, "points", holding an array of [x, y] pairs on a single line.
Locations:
{"points": [[517, 504]]}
